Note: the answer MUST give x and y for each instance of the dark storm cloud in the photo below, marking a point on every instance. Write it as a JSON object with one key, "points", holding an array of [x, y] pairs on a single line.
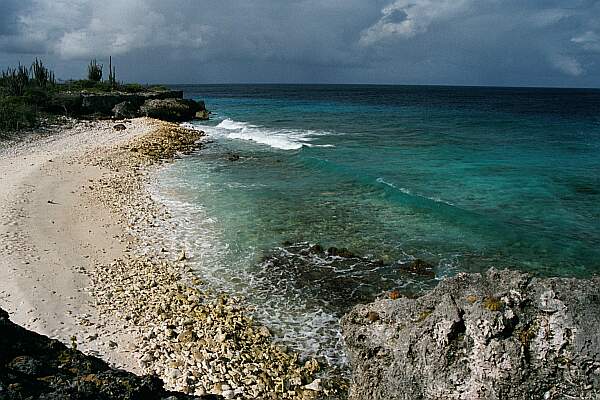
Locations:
{"points": [[403, 41]]}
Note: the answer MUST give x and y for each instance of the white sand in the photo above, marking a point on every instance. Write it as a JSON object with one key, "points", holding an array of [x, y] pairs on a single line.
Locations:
{"points": [[50, 233]]}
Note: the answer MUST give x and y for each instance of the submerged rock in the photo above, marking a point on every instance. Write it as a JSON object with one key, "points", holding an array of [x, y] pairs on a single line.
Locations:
{"points": [[418, 267], [499, 335], [35, 366]]}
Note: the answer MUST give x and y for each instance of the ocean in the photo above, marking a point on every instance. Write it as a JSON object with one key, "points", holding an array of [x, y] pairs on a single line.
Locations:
{"points": [[463, 178]]}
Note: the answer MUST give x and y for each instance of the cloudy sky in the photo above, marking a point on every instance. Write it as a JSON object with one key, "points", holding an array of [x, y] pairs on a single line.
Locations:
{"points": [[472, 42]]}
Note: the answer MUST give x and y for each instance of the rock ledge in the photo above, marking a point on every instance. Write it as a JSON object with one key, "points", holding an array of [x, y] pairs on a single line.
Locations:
{"points": [[498, 335]]}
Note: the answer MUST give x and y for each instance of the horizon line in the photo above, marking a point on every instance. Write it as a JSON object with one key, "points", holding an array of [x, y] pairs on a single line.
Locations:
{"points": [[376, 84]]}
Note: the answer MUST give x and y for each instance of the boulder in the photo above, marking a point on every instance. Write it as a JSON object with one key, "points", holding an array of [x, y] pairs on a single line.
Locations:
{"points": [[126, 109], [202, 115], [498, 335], [174, 110]]}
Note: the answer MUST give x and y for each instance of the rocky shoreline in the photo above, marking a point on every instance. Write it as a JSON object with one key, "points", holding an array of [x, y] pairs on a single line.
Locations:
{"points": [[34, 366], [496, 335], [197, 341]]}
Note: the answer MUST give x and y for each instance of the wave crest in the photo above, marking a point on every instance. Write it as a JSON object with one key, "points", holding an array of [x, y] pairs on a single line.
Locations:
{"points": [[283, 139]]}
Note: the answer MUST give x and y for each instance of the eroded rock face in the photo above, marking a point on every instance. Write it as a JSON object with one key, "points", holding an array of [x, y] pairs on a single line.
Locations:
{"points": [[499, 335], [103, 103], [33, 366], [173, 110], [126, 109]]}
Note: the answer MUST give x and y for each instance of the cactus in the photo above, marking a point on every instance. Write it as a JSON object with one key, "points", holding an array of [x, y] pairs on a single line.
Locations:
{"points": [[95, 71], [40, 74], [112, 74], [15, 80]]}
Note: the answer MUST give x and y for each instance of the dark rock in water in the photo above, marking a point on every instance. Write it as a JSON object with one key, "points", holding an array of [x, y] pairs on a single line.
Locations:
{"points": [[174, 110], [419, 267], [33, 366], [317, 249], [119, 127], [233, 157], [126, 109], [343, 252], [202, 115], [340, 282], [498, 335]]}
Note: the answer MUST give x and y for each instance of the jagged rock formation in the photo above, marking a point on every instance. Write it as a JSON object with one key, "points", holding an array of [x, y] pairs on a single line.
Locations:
{"points": [[104, 103], [173, 110], [33, 366], [168, 105], [499, 335], [81, 103]]}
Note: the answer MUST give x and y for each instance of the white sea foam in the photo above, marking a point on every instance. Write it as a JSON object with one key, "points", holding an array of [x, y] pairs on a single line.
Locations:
{"points": [[287, 313], [409, 192], [403, 190], [284, 139]]}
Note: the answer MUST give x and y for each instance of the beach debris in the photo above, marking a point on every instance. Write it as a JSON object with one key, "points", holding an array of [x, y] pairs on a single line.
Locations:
{"points": [[209, 338], [314, 385], [119, 127]]}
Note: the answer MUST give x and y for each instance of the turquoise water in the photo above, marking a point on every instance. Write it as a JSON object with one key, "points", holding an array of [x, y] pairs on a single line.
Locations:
{"points": [[463, 178]]}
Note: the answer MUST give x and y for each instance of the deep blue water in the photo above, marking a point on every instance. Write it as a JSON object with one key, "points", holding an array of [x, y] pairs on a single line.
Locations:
{"points": [[463, 178]]}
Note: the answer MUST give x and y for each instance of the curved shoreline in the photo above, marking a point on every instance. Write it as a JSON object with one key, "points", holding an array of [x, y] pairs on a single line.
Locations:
{"points": [[141, 309]]}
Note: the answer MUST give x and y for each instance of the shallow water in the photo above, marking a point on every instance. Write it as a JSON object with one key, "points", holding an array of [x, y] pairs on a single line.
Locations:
{"points": [[464, 178]]}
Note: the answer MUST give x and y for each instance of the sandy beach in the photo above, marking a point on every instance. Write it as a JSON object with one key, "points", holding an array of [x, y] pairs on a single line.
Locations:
{"points": [[78, 265], [51, 233]]}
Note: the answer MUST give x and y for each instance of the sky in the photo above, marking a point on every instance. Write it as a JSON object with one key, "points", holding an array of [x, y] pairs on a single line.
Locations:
{"points": [[454, 42]]}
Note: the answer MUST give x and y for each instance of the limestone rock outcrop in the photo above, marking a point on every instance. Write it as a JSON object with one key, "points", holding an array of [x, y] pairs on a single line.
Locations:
{"points": [[173, 110], [498, 335]]}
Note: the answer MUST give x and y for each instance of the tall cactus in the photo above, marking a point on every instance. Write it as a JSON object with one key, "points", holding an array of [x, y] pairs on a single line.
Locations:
{"points": [[95, 71]]}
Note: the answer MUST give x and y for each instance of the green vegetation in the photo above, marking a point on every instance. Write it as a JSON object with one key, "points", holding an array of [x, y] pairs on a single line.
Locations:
{"points": [[16, 113], [26, 94]]}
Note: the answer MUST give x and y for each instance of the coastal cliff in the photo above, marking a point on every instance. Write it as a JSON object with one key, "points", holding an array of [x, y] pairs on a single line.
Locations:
{"points": [[168, 105], [498, 335]]}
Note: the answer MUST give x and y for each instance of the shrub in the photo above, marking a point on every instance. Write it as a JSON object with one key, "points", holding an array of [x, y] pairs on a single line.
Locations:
{"points": [[16, 113], [132, 88]]}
